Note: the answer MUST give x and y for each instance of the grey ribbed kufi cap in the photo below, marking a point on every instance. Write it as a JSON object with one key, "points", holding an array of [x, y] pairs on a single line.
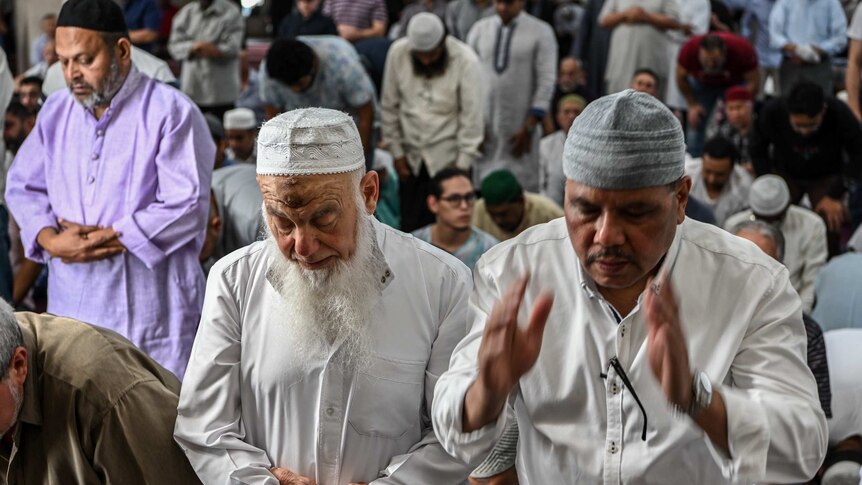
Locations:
{"points": [[626, 140]]}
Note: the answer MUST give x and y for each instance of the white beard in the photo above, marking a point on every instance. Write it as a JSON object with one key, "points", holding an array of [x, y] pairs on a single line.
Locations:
{"points": [[328, 307]]}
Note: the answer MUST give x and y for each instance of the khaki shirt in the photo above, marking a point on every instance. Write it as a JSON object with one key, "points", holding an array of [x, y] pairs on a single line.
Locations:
{"points": [[539, 210], [96, 410]]}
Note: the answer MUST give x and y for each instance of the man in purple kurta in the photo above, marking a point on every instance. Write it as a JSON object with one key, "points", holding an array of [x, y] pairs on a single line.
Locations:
{"points": [[111, 190]]}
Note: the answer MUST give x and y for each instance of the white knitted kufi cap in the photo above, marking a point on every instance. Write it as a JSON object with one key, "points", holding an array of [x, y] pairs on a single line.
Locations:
{"points": [[309, 141], [240, 119], [627, 140], [425, 31], [768, 195]]}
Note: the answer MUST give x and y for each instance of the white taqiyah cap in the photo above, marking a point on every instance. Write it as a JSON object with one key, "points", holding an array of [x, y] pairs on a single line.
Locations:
{"points": [[425, 31], [309, 141], [240, 119]]}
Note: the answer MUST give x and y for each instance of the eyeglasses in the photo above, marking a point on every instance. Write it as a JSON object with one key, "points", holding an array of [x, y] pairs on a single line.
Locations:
{"points": [[457, 199], [615, 363]]}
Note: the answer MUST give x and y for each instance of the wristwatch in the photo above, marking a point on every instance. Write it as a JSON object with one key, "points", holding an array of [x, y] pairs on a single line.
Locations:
{"points": [[701, 393]]}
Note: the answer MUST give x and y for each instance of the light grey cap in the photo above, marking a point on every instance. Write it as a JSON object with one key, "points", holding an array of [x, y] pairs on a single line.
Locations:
{"points": [[425, 31], [769, 196], [627, 140]]}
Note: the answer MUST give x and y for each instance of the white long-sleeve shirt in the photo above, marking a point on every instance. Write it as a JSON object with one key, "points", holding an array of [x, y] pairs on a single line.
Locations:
{"points": [[438, 121], [246, 405], [743, 327], [805, 248]]}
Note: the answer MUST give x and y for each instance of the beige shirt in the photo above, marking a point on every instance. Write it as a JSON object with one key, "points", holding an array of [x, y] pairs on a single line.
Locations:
{"points": [[96, 410], [438, 120], [539, 210]]}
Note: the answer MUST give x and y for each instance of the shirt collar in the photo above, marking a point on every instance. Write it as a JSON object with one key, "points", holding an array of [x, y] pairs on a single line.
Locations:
{"points": [[130, 84], [665, 268], [214, 9], [31, 408]]}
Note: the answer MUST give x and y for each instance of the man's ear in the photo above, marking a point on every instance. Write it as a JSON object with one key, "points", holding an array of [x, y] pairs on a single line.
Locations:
{"points": [[370, 188], [683, 188]]}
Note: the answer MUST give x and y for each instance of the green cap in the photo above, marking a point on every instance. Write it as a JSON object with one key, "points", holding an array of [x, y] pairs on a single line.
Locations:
{"points": [[500, 187]]}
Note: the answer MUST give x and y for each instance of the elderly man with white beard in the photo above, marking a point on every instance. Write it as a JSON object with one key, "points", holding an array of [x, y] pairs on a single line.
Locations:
{"points": [[319, 348]]}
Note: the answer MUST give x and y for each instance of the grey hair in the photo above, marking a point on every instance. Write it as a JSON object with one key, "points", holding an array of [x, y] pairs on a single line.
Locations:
{"points": [[10, 336], [765, 229]]}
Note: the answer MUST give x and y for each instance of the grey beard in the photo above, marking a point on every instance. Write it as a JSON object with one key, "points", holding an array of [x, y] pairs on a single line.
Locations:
{"points": [[102, 97], [329, 310]]}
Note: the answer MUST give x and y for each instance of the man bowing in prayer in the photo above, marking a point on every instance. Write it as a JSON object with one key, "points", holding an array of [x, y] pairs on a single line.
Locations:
{"points": [[111, 190], [673, 351], [319, 347]]}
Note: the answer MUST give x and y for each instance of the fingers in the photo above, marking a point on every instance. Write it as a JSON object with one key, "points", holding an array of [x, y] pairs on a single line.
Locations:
{"points": [[100, 237], [101, 253], [538, 318], [77, 228]]}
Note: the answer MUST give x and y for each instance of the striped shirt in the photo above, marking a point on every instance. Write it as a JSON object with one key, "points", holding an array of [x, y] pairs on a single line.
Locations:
{"points": [[357, 13]]}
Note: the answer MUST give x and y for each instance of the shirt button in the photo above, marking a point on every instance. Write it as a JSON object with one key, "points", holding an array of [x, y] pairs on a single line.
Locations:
{"points": [[95, 156], [615, 388], [91, 180], [383, 279], [100, 133], [388, 274], [613, 448], [330, 411]]}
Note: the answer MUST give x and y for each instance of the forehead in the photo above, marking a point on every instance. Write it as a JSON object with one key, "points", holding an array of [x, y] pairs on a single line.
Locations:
{"points": [[72, 41], [738, 104], [300, 191], [644, 78], [714, 163], [571, 105], [607, 198], [456, 184]]}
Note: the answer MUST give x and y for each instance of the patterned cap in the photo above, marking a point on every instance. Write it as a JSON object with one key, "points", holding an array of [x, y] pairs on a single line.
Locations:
{"points": [[309, 141], [627, 140]]}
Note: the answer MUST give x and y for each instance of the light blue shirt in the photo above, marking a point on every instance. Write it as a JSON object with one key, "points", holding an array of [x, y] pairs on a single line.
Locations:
{"points": [[755, 28], [821, 23], [839, 295], [469, 254]]}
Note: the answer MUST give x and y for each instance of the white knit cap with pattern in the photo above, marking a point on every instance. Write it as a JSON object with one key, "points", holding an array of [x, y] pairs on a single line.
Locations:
{"points": [[626, 140], [309, 141], [769, 195]]}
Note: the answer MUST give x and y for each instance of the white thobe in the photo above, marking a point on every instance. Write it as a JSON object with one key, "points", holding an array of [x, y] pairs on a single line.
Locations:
{"points": [[247, 405], [552, 180], [743, 328], [519, 68], [805, 248]]}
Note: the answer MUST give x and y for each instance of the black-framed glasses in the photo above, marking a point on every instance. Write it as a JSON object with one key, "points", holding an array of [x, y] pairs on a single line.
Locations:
{"points": [[615, 363], [457, 199]]}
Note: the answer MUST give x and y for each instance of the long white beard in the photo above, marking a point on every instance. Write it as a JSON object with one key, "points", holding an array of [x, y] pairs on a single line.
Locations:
{"points": [[328, 307]]}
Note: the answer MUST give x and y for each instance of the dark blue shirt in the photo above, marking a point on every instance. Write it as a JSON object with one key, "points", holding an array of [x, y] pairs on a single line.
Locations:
{"points": [[143, 14], [316, 24]]}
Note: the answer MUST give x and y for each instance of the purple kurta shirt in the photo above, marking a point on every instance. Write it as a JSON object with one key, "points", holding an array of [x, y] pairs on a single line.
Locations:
{"points": [[144, 169]]}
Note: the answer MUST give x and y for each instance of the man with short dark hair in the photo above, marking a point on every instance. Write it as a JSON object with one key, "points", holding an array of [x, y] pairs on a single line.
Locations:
{"points": [[719, 181], [111, 190], [451, 200], [319, 71], [30, 93], [812, 141], [507, 210], [706, 67], [431, 111], [645, 80], [97, 411], [19, 122]]}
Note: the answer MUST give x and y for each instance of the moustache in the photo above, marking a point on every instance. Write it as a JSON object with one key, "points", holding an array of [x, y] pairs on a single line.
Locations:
{"points": [[609, 253]]}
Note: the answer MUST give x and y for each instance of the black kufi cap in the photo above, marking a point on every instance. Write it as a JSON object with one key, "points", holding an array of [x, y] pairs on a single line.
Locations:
{"points": [[98, 15]]}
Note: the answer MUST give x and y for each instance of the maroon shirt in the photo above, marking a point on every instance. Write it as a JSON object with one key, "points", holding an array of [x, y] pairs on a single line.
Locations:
{"points": [[740, 59]]}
